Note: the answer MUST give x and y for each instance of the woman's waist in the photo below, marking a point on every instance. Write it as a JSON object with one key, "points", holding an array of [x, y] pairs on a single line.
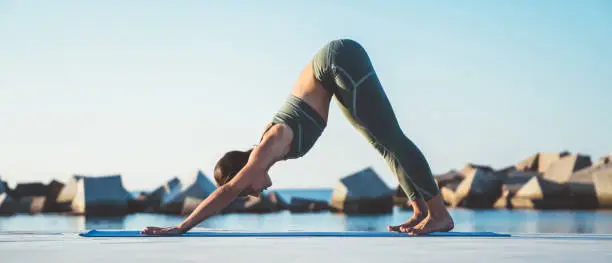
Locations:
{"points": [[296, 109]]}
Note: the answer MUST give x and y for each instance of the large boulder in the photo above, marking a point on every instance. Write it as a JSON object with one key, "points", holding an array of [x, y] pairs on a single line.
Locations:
{"points": [[514, 181], [448, 194], [450, 177], [140, 204], [151, 203], [507, 169], [561, 170], [36, 197], [66, 195], [303, 205], [5, 200], [539, 162], [197, 187], [541, 193], [29, 204], [53, 190], [511, 183], [448, 183], [400, 199], [3, 186], [589, 187], [251, 204], [602, 179], [470, 167], [277, 200], [480, 188], [100, 195], [362, 192], [29, 189], [7, 204], [582, 188], [165, 189]]}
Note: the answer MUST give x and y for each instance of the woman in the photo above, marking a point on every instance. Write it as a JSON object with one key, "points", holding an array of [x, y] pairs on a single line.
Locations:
{"points": [[340, 69]]}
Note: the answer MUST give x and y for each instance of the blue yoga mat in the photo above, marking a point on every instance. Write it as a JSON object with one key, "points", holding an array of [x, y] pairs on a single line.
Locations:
{"points": [[129, 233]]}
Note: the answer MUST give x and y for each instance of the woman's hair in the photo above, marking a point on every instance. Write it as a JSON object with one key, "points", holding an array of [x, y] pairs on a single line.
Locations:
{"points": [[229, 165]]}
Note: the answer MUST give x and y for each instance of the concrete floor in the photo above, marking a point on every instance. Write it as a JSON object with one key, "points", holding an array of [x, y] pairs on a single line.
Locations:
{"points": [[23, 247]]}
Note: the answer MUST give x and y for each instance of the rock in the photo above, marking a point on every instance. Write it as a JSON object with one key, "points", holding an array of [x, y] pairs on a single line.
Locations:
{"points": [[362, 192], [514, 181], [103, 196], [249, 204], [53, 190], [261, 204], [561, 170], [277, 200], [66, 195], [588, 186], [504, 201], [140, 203], [539, 162], [582, 188], [448, 183], [7, 204], [30, 204], [400, 199], [480, 188], [602, 179], [507, 170], [3, 186], [198, 187], [511, 184], [151, 203], [302, 205], [606, 159], [450, 177], [164, 190], [470, 167], [29, 189], [29, 195], [541, 193], [448, 194]]}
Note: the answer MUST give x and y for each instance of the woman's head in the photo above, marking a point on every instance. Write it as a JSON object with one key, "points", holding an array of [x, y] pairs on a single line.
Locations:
{"points": [[230, 164]]}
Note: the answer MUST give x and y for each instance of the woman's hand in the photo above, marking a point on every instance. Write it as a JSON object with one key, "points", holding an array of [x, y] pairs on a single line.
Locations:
{"points": [[152, 230]]}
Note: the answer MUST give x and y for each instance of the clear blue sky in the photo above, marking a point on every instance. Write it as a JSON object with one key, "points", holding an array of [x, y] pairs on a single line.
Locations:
{"points": [[155, 89]]}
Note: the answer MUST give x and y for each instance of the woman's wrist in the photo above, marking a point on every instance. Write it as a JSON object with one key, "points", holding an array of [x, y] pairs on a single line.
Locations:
{"points": [[183, 227]]}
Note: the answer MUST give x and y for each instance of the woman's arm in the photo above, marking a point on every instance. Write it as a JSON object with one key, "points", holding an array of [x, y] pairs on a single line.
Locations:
{"points": [[273, 146], [221, 197]]}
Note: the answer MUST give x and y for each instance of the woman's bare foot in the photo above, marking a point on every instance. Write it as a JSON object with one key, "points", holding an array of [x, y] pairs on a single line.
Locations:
{"points": [[420, 212], [413, 221], [437, 220], [432, 224]]}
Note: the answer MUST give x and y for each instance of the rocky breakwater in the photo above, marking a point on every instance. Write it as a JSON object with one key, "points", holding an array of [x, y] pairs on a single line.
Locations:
{"points": [[362, 192], [542, 181]]}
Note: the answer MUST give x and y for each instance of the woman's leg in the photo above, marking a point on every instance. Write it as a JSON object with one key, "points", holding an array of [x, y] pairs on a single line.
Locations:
{"points": [[344, 67]]}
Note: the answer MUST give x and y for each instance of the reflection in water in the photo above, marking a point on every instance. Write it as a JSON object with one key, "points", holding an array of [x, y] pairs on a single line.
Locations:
{"points": [[566, 222], [97, 222], [366, 222], [506, 221]]}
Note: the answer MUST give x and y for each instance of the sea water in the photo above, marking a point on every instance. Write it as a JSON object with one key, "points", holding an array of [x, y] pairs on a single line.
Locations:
{"points": [[497, 220]]}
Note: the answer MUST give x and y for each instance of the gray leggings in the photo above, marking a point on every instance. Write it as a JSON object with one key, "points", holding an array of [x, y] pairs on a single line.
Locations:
{"points": [[345, 69]]}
